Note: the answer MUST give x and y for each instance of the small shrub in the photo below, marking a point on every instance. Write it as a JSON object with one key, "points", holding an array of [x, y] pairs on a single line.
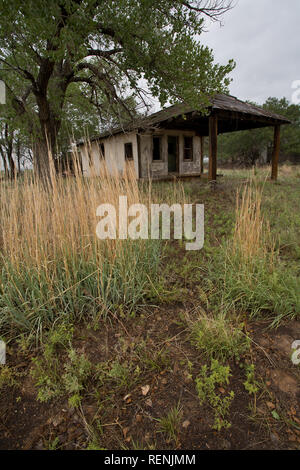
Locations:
{"points": [[219, 339], [206, 388], [77, 371], [75, 400], [7, 377], [46, 369], [251, 384], [117, 374], [120, 373], [47, 372], [46, 379]]}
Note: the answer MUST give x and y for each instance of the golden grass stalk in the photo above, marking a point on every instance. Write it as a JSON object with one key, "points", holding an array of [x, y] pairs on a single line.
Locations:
{"points": [[50, 256], [38, 225], [252, 236]]}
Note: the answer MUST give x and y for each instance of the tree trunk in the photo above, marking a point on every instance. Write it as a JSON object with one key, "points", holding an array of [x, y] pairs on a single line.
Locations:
{"points": [[12, 165], [5, 165], [42, 160], [9, 138], [44, 146], [18, 147]]}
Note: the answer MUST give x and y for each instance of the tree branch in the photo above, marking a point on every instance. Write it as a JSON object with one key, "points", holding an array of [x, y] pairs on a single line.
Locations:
{"points": [[213, 9], [105, 54]]}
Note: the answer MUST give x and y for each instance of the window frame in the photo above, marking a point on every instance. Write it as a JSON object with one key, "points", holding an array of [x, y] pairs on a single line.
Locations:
{"points": [[160, 159], [128, 159], [189, 159]]}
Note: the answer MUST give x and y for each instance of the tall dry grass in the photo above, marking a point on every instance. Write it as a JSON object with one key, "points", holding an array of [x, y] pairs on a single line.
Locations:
{"points": [[252, 235], [247, 269], [52, 265]]}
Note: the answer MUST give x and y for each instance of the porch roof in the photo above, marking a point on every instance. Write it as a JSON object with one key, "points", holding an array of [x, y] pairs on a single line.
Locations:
{"points": [[233, 115]]}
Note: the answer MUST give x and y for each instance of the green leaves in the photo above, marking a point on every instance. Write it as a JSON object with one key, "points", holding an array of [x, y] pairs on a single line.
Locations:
{"points": [[275, 415], [206, 388], [49, 46], [247, 146]]}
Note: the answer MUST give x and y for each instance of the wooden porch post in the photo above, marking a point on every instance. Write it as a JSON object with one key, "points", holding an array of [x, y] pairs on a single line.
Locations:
{"points": [[201, 154], [213, 147], [275, 155]]}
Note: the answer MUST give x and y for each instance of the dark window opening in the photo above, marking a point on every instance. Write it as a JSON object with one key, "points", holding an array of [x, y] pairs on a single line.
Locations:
{"points": [[102, 151], [156, 148], [128, 151], [188, 148]]}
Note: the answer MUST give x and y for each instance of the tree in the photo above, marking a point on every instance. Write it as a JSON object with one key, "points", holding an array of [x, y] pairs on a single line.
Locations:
{"points": [[14, 150], [290, 135], [6, 149], [108, 47], [246, 147]]}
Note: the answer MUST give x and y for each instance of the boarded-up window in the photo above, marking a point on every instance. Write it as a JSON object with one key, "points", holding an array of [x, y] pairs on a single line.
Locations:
{"points": [[188, 148], [102, 151], [156, 152], [128, 151]]}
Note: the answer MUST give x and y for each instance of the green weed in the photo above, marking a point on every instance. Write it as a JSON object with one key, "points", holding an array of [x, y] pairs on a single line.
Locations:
{"points": [[206, 388], [47, 372], [170, 424], [251, 384], [219, 339], [7, 377]]}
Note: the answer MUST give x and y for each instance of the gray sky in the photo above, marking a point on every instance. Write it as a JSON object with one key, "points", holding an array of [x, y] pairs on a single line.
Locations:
{"points": [[263, 37]]}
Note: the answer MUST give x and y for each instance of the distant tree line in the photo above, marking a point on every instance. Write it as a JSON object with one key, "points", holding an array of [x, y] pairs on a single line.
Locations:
{"points": [[246, 147]]}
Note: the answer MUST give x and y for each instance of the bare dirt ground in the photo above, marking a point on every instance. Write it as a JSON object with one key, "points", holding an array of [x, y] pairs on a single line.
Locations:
{"points": [[129, 417]]}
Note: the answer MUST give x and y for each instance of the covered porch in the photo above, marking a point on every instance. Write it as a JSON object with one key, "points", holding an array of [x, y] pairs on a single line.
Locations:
{"points": [[226, 114]]}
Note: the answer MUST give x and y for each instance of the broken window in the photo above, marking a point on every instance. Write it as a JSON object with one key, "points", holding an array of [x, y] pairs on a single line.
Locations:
{"points": [[188, 148], [128, 151], [156, 148]]}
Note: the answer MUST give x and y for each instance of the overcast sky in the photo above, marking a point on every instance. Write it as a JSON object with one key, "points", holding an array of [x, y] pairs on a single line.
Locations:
{"points": [[263, 37]]}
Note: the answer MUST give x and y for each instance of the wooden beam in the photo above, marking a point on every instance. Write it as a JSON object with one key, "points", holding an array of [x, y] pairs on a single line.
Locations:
{"points": [[275, 155], [201, 154], [213, 147], [238, 116]]}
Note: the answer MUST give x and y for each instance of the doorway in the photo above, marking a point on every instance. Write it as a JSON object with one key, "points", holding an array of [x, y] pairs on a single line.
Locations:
{"points": [[173, 154]]}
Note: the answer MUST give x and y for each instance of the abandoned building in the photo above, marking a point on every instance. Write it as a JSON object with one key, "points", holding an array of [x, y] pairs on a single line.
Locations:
{"points": [[171, 142]]}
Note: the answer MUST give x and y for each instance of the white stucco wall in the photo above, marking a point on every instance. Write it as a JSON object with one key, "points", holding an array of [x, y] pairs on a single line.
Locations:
{"points": [[114, 154]]}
